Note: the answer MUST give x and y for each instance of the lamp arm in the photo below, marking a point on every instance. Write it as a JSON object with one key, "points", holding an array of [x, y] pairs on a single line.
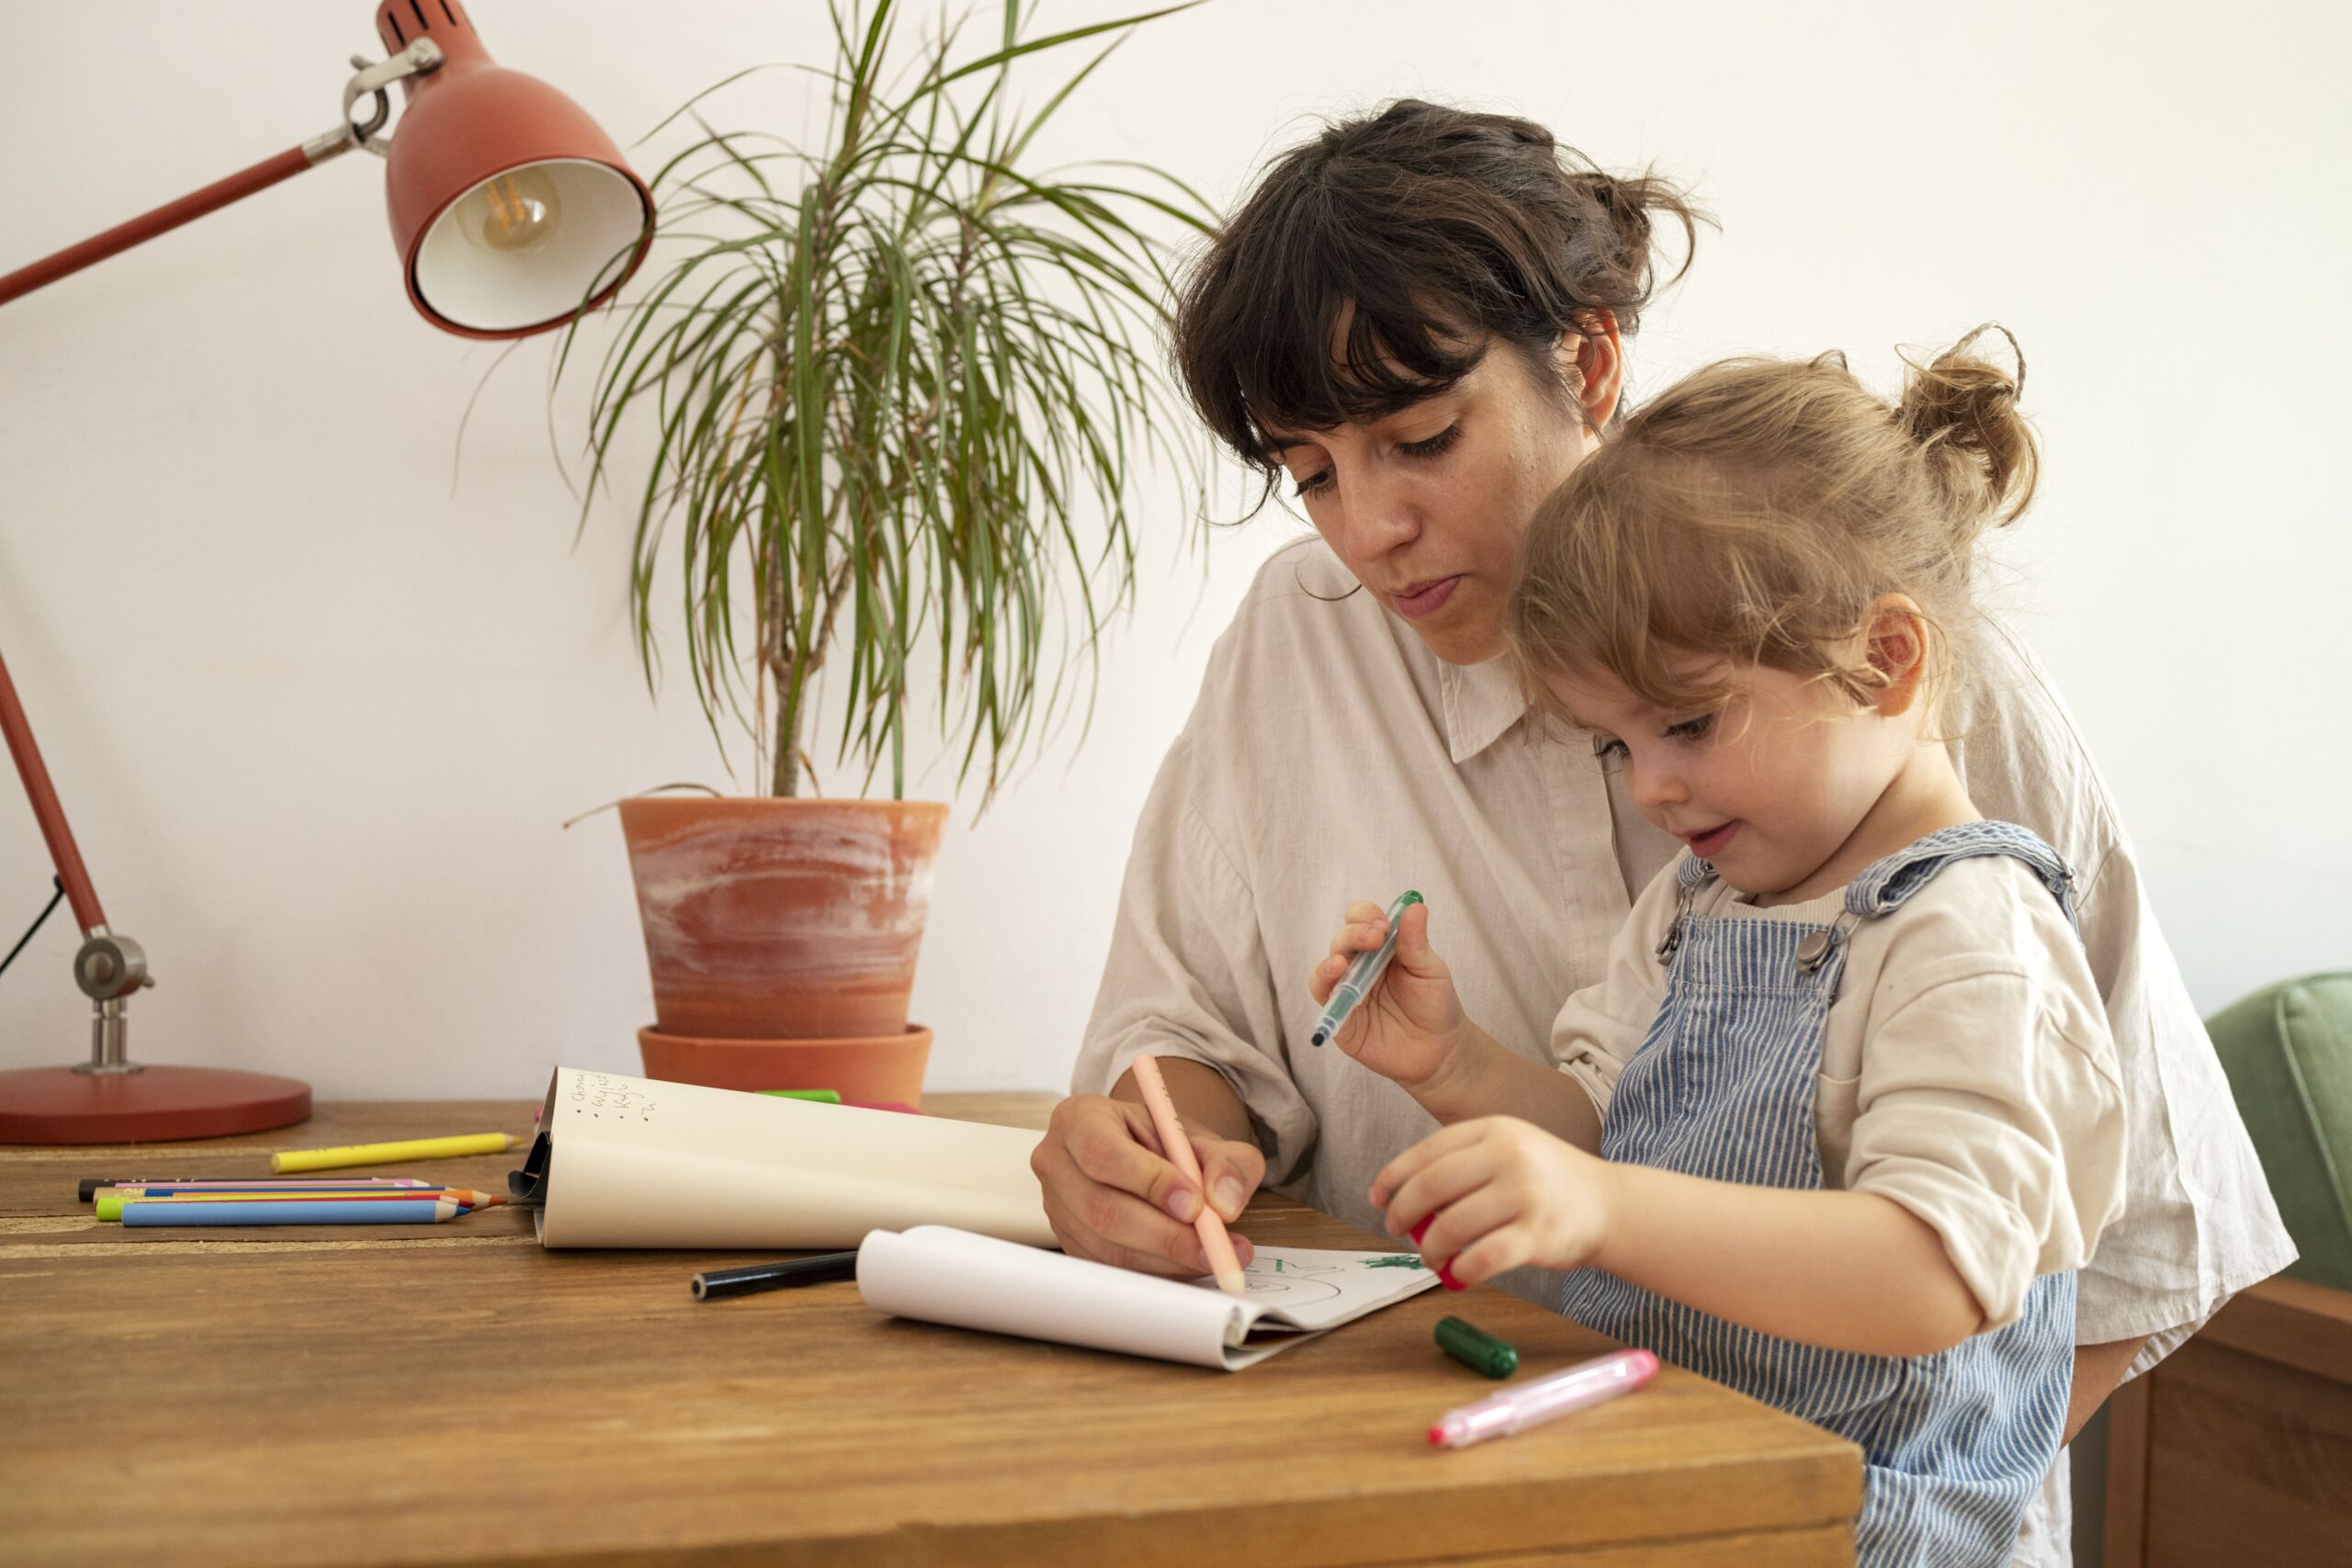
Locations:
{"points": [[62, 853], [107, 967], [420, 57]]}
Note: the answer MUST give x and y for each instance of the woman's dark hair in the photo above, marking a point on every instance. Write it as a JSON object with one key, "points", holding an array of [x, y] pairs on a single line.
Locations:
{"points": [[1432, 230]]}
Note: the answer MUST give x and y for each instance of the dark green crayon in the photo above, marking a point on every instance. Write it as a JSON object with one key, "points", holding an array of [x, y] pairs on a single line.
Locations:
{"points": [[1475, 1349]]}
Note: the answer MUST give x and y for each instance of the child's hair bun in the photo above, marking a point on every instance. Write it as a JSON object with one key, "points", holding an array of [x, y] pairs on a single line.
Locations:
{"points": [[1962, 411]]}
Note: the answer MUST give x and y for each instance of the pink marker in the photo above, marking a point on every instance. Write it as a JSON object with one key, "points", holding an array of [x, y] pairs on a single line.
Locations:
{"points": [[1516, 1409]]}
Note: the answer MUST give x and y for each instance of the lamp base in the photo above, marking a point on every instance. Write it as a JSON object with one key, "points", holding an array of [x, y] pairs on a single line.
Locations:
{"points": [[59, 1105]]}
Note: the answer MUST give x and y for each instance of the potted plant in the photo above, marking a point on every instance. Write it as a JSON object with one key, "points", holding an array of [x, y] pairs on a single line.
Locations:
{"points": [[900, 389]]}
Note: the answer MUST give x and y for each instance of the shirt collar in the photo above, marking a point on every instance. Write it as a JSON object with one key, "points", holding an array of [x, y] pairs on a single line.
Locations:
{"points": [[1481, 701]]}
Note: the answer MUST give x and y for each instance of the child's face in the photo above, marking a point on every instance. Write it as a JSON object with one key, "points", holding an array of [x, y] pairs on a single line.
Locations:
{"points": [[1768, 788]]}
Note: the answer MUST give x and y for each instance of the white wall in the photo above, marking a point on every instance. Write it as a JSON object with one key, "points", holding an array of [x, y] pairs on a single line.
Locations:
{"points": [[317, 698]]}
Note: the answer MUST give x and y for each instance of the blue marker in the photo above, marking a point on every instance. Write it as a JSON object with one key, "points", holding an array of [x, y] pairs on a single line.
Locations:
{"points": [[1360, 974]]}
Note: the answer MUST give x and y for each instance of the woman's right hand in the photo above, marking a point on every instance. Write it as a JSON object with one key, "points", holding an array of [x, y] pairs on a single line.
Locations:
{"points": [[1409, 1028], [1112, 1197]]}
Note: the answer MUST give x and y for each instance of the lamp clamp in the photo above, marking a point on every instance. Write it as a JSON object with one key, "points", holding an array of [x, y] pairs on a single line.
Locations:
{"points": [[374, 81]]}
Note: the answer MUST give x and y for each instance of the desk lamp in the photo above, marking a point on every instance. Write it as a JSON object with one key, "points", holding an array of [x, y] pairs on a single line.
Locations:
{"points": [[511, 213]]}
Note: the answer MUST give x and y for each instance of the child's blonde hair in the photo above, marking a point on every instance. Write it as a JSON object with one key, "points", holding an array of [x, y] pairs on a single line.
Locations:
{"points": [[1757, 510]]}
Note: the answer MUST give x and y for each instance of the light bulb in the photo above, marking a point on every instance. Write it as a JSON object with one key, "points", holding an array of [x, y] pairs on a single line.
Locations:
{"points": [[511, 213]]}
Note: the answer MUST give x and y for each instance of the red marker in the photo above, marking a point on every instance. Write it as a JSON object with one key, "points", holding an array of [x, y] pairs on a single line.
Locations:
{"points": [[1445, 1269]]}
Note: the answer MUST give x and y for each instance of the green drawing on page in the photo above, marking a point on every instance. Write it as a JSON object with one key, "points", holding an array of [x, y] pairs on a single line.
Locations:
{"points": [[1389, 1260]]}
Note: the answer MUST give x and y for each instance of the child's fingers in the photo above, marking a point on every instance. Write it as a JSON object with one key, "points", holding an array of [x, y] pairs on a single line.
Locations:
{"points": [[1362, 926], [1498, 1252], [1413, 1161], [1360, 936], [1365, 930], [1324, 978], [1447, 1179], [1456, 1228], [1413, 948]]}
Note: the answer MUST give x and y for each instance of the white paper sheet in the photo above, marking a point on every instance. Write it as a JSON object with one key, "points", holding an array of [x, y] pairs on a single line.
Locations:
{"points": [[634, 1162], [949, 1276]]}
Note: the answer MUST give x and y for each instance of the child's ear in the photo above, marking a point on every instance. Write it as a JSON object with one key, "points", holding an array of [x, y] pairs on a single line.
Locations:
{"points": [[1897, 639]]}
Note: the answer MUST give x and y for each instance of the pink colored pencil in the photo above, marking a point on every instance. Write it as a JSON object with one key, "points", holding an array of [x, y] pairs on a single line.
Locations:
{"points": [[1223, 1261]]}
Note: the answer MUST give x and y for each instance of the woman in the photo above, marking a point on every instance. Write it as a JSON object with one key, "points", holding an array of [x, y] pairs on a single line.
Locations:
{"points": [[1419, 318]]}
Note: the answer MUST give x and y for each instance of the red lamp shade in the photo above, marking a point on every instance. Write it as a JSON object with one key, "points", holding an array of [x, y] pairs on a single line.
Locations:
{"points": [[510, 208]]}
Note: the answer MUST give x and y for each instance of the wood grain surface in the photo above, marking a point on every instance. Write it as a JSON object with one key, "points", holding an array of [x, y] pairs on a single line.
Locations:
{"points": [[453, 1394]]}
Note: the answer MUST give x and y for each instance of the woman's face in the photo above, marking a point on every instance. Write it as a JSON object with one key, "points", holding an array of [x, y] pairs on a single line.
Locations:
{"points": [[1428, 505]]}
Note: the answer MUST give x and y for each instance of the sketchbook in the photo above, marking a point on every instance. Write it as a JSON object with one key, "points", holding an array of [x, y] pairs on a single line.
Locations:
{"points": [[635, 1162], [944, 1275]]}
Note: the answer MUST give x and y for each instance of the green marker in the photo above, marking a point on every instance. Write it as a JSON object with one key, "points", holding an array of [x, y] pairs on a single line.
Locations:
{"points": [[1361, 975], [1475, 1349], [822, 1096]]}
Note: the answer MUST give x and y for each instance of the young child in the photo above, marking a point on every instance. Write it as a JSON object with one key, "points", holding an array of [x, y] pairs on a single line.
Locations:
{"points": [[1842, 1116]]}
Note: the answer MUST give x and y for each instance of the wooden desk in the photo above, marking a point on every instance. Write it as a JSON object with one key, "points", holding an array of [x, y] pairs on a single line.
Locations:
{"points": [[453, 1394]]}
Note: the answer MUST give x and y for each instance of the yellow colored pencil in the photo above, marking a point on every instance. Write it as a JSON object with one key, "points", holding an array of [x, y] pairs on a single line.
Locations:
{"points": [[390, 1153]]}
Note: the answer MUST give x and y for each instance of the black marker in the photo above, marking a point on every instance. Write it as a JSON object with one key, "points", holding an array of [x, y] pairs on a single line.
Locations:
{"points": [[712, 1283]]}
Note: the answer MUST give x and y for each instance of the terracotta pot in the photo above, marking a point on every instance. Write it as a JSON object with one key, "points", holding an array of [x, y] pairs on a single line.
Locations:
{"points": [[885, 1068], [782, 919]]}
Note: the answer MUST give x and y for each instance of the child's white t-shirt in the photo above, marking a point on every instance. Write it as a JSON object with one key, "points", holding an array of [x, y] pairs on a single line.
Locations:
{"points": [[1966, 1069]]}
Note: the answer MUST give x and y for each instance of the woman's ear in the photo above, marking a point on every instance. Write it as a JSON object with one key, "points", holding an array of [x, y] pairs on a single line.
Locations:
{"points": [[1896, 642], [1592, 363]]}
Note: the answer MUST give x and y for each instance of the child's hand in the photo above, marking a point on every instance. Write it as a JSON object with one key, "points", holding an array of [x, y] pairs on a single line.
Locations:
{"points": [[1504, 1194], [1407, 1027]]}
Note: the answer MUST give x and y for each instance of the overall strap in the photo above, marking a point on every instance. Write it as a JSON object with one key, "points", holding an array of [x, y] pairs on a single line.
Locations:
{"points": [[1690, 877], [1889, 884]]}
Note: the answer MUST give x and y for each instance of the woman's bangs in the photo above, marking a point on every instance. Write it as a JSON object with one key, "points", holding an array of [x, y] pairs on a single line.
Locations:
{"points": [[1342, 338]]}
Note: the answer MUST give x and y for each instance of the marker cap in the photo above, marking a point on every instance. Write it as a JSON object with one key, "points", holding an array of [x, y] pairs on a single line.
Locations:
{"points": [[1475, 1349]]}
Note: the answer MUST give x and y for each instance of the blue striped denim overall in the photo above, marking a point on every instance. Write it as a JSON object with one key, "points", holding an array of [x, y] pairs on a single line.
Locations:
{"points": [[1722, 1088]]}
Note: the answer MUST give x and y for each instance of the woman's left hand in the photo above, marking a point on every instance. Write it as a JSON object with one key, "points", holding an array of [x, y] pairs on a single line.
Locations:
{"points": [[1504, 1194]]}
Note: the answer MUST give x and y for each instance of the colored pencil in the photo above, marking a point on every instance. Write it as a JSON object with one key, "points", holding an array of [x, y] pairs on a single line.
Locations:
{"points": [[1224, 1262], [93, 1185], [348, 1184], [162, 1212], [111, 1204], [290, 1193], [392, 1154]]}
